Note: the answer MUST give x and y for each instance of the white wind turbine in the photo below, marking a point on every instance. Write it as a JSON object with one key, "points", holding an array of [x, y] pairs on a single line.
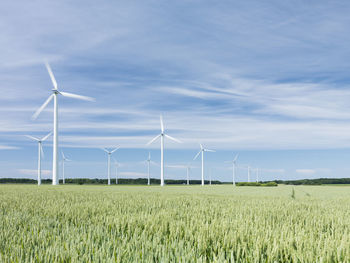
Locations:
{"points": [[162, 135], [64, 159], [149, 162], [257, 175], [188, 169], [54, 96], [109, 163], [117, 165], [234, 170], [248, 170], [202, 150], [210, 172], [40, 152]]}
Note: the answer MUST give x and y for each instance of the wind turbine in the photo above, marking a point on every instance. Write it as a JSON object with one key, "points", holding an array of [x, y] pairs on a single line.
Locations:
{"points": [[234, 169], [40, 152], [257, 175], [116, 164], [64, 159], [162, 135], [149, 162], [54, 96], [188, 169], [109, 163], [210, 172], [202, 150]]}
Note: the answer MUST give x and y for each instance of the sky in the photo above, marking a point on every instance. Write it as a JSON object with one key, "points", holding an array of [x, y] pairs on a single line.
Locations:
{"points": [[268, 80]]}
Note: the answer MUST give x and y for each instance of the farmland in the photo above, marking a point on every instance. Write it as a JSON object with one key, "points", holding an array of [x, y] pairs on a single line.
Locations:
{"points": [[174, 223]]}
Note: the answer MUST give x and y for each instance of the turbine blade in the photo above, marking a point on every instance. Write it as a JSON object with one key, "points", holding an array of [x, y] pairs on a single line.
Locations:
{"points": [[235, 159], [197, 155], [104, 149], [63, 155], [149, 155], [155, 138], [33, 138], [207, 150], [200, 145], [47, 136], [115, 150], [172, 138], [75, 96], [41, 150], [161, 124], [36, 114], [51, 75]]}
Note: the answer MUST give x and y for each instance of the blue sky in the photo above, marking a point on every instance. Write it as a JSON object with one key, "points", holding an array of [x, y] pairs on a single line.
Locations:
{"points": [[268, 80]]}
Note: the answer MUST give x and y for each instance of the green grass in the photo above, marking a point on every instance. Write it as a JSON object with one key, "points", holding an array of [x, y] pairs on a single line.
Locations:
{"points": [[174, 224]]}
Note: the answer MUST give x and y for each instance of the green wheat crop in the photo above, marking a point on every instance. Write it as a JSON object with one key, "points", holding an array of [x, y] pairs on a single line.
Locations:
{"points": [[174, 224]]}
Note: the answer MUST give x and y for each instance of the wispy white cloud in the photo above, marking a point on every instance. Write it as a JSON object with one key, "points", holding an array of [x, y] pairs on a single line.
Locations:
{"points": [[7, 147]]}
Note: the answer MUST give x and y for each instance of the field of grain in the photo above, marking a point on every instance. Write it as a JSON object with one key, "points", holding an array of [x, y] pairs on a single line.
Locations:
{"points": [[174, 224]]}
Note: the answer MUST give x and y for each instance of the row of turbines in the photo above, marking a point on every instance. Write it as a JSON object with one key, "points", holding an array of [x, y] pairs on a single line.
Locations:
{"points": [[148, 161], [55, 177]]}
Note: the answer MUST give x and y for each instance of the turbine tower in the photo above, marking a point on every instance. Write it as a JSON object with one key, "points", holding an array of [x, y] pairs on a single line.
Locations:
{"points": [[188, 169], [109, 163], [64, 159], [234, 170], [40, 152], [257, 175], [202, 150], [54, 96], [162, 135], [116, 164], [210, 172]]}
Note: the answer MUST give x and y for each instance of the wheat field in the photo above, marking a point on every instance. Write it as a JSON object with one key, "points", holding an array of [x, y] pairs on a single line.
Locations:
{"points": [[217, 223]]}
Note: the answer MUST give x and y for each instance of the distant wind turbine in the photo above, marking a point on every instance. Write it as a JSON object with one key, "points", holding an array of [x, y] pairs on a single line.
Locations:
{"points": [[54, 96], [40, 152], [162, 135], [234, 170], [202, 150], [116, 164], [210, 172], [149, 162], [257, 175], [109, 163], [64, 159], [188, 169]]}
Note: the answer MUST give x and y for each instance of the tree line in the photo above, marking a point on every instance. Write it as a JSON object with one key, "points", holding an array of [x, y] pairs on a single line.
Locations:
{"points": [[124, 181], [143, 181]]}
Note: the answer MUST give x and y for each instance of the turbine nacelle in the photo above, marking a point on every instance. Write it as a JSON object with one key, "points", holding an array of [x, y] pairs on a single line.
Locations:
{"points": [[55, 91], [163, 134], [202, 149]]}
